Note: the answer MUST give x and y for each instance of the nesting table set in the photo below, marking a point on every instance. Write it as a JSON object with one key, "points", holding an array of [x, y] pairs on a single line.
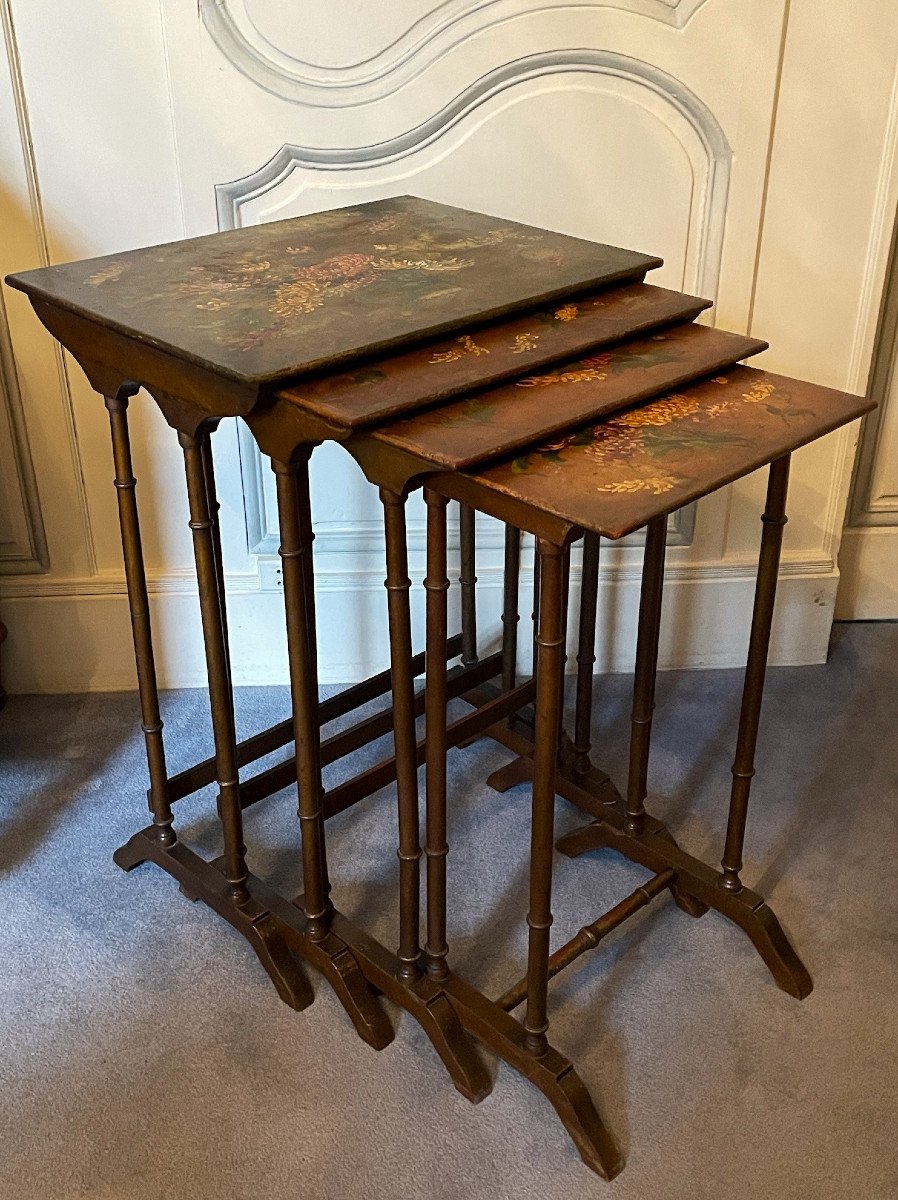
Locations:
{"points": [[528, 376]]}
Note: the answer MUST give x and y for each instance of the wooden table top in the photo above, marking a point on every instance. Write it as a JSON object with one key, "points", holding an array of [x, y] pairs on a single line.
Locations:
{"points": [[484, 357], [278, 300], [614, 476], [486, 323], [491, 424]]}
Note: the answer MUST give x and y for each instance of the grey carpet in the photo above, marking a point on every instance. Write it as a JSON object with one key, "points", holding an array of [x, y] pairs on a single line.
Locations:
{"points": [[144, 1054]]}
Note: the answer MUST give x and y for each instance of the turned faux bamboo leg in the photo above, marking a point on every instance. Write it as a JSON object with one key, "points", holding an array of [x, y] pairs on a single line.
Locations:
{"points": [[697, 885], [548, 708], [645, 672], [300, 612], [468, 580], [307, 536], [214, 510], [398, 587], [221, 697], [535, 615], [436, 848], [586, 652], [774, 521], [511, 608], [565, 603], [138, 602]]}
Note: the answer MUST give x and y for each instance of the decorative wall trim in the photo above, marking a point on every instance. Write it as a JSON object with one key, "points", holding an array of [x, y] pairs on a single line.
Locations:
{"points": [[362, 537], [866, 548], [112, 583], [28, 556], [626, 569], [865, 508], [367, 537], [698, 631], [233, 198], [231, 27], [39, 561]]}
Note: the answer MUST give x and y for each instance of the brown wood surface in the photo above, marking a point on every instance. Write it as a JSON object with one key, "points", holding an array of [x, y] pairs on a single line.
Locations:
{"points": [[490, 424], [485, 357], [274, 301], [614, 476]]}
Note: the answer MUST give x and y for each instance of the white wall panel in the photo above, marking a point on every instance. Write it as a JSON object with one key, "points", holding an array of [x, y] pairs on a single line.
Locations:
{"points": [[713, 132]]}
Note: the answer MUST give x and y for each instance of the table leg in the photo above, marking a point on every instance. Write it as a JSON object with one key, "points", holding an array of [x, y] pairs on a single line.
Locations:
{"points": [[586, 652], [214, 511], [565, 1090], [307, 536], [196, 465], [307, 559], [468, 580], [699, 886], [550, 642], [511, 607], [646, 671], [535, 614], [562, 740], [398, 587], [774, 522], [518, 771], [160, 844], [765, 930], [300, 613], [423, 997], [436, 584], [139, 605], [332, 956], [645, 676]]}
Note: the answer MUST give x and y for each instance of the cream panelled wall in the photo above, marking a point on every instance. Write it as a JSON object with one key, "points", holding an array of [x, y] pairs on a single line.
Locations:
{"points": [[751, 143], [868, 558]]}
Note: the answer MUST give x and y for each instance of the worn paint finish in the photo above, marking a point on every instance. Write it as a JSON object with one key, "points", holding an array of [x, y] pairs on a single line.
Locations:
{"points": [[486, 356], [490, 424], [276, 300], [615, 476]]}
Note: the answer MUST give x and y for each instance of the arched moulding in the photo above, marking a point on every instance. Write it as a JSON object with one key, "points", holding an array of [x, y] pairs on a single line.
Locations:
{"points": [[709, 142], [278, 187], [383, 70]]}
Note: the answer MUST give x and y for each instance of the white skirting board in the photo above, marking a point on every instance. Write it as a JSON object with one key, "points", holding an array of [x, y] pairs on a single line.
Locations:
{"points": [[76, 637]]}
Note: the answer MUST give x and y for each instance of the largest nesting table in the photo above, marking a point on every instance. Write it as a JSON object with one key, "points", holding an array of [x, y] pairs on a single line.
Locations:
{"points": [[530, 376]]}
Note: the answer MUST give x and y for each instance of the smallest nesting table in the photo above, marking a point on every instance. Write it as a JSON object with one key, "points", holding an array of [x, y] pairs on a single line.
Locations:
{"points": [[605, 479]]}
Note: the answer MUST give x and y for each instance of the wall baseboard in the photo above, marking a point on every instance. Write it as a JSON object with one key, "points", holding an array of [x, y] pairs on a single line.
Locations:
{"points": [[74, 635]]}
